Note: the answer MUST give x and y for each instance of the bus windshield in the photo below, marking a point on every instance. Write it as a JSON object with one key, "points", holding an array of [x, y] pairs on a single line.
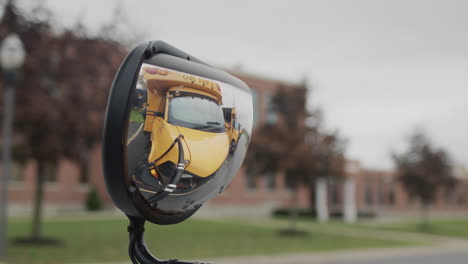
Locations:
{"points": [[196, 112]]}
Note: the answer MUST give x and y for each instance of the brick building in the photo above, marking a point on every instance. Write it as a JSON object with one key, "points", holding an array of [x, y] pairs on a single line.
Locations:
{"points": [[375, 191]]}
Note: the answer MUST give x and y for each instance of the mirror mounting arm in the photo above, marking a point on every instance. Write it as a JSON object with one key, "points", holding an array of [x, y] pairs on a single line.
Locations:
{"points": [[139, 253], [172, 185]]}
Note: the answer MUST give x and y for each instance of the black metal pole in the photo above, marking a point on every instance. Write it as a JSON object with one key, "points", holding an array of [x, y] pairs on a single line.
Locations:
{"points": [[9, 101], [137, 249]]}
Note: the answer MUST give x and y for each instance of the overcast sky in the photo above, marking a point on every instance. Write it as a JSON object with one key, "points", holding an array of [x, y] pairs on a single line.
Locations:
{"points": [[378, 69]]}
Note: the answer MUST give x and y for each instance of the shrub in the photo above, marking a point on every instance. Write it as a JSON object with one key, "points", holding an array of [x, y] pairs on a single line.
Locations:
{"points": [[93, 201], [312, 214]]}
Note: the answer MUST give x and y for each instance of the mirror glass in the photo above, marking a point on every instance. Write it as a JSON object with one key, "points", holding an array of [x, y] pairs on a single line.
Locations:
{"points": [[186, 138]]}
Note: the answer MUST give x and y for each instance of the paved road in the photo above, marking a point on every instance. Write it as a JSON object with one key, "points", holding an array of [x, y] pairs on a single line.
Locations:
{"points": [[446, 258], [456, 253], [460, 257], [450, 252]]}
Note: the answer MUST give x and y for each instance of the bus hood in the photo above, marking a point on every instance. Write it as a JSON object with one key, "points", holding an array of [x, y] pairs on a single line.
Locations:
{"points": [[207, 150]]}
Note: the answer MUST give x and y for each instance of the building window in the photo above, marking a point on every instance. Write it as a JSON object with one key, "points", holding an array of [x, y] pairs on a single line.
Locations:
{"points": [[251, 180], [50, 173], [17, 171], [380, 190], [270, 181], [461, 199], [289, 183], [449, 197], [391, 197], [271, 116], [84, 176], [368, 195], [334, 194], [84, 171], [255, 108]]}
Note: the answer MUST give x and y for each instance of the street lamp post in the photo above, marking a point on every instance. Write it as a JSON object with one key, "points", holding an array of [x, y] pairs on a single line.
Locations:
{"points": [[12, 56]]}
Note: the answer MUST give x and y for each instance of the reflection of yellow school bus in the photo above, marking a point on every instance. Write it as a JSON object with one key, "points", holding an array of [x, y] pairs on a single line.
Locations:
{"points": [[187, 107], [232, 127]]}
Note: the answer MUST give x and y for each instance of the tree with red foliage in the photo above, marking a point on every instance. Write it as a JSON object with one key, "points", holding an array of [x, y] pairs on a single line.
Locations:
{"points": [[424, 170], [61, 95], [328, 160], [300, 150]]}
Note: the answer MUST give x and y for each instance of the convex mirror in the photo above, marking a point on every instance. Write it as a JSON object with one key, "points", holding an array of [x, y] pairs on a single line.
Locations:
{"points": [[176, 133]]}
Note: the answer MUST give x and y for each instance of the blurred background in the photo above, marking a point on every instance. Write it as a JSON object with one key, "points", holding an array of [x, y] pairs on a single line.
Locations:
{"points": [[359, 150]]}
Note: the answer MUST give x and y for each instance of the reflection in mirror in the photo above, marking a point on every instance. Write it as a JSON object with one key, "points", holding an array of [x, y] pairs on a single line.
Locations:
{"points": [[187, 137]]}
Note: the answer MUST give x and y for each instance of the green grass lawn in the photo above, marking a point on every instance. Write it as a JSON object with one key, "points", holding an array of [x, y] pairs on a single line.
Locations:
{"points": [[136, 116], [106, 240], [444, 227]]}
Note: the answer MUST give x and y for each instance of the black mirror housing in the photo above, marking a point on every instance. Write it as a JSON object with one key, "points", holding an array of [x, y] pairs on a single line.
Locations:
{"points": [[167, 148]]}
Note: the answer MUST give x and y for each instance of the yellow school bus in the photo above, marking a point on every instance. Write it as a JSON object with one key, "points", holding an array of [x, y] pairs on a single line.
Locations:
{"points": [[232, 127], [187, 107]]}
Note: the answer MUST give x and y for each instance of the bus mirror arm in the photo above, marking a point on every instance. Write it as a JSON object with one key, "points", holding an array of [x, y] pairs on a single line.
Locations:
{"points": [[154, 113], [137, 249], [176, 176]]}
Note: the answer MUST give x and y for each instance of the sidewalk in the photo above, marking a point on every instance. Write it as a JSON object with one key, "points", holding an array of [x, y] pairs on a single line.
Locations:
{"points": [[356, 231], [432, 245]]}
